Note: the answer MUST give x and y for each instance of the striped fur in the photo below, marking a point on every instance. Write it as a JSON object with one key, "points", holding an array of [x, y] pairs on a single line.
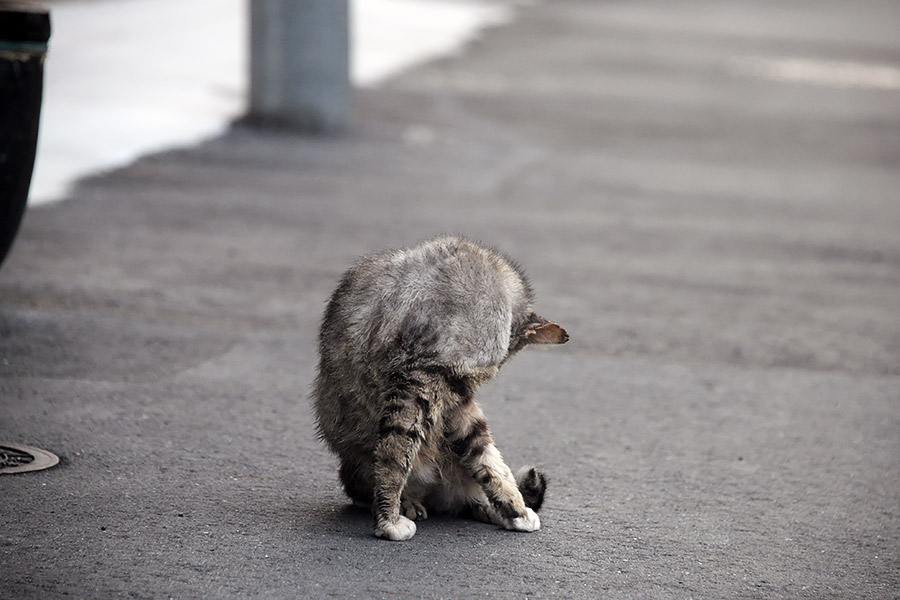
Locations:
{"points": [[407, 339]]}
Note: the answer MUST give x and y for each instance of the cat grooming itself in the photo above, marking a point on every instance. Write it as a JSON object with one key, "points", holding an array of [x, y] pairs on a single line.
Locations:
{"points": [[407, 338]]}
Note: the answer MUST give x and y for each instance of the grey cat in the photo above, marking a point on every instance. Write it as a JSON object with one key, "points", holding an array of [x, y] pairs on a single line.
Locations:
{"points": [[407, 338]]}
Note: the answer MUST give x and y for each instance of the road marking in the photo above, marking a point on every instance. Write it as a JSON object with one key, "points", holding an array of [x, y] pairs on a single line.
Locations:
{"points": [[832, 73]]}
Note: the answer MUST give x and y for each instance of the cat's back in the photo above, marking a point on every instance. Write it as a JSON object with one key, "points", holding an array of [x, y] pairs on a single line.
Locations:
{"points": [[447, 298]]}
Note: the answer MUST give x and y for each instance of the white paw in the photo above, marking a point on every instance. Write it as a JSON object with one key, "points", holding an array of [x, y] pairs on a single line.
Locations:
{"points": [[402, 530], [527, 522]]}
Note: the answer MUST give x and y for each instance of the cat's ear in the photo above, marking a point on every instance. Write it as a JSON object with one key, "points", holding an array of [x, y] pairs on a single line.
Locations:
{"points": [[541, 331]]}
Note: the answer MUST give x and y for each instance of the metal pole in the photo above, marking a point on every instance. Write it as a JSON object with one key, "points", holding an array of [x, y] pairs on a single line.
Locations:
{"points": [[300, 64]]}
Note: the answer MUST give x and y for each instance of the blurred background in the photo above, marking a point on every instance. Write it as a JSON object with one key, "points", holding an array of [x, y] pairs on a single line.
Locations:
{"points": [[129, 78]]}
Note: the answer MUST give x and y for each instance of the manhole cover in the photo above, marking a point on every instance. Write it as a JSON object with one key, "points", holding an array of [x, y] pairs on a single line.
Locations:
{"points": [[16, 458]]}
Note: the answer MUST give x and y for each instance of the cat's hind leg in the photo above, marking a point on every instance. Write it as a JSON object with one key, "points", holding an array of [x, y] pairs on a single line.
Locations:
{"points": [[532, 484], [400, 435], [483, 510], [471, 443]]}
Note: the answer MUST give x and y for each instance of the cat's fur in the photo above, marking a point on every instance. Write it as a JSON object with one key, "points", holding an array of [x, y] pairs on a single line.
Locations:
{"points": [[407, 338]]}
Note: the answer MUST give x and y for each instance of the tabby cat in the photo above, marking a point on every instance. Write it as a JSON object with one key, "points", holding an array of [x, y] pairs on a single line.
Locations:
{"points": [[407, 338]]}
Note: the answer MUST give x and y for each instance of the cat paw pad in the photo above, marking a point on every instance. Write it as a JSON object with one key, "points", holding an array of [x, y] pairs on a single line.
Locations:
{"points": [[402, 530]]}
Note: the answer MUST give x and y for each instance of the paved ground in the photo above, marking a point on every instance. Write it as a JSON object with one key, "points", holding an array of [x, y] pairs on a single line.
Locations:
{"points": [[722, 248]]}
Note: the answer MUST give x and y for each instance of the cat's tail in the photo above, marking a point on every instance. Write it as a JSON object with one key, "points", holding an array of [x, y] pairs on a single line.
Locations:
{"points": [[532, 484]]}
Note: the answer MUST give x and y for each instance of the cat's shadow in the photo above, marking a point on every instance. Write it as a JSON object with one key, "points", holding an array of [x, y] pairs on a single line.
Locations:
{"points": [[346, 520]]}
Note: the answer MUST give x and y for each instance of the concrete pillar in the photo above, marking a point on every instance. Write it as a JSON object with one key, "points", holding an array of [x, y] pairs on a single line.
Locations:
{"points": [[300, 64]]}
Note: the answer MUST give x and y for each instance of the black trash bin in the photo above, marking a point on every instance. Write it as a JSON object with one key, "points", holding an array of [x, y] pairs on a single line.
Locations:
{"points": [[24, 32]]}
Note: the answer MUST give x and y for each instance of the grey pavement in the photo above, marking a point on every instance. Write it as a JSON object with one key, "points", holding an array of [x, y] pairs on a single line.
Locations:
{"points": [[722, 247]]}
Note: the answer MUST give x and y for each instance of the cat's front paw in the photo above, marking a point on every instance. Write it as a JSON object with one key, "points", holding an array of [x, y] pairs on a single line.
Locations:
{"points": [[402, 530], [527, 522]]}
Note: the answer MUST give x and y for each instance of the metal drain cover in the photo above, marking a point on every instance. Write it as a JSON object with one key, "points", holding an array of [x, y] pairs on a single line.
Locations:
{"points": [[16, 458]]}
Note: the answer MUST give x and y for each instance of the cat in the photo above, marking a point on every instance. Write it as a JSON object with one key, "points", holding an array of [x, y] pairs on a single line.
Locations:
{"points": [[407, 338]]}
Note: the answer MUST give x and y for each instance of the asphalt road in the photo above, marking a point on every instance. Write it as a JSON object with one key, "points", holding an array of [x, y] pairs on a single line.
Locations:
{"points": [[715, 225]]}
